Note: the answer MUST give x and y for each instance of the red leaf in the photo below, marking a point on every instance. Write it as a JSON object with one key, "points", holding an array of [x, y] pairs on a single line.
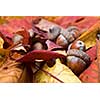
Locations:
{"points": [[92, 53], [40, 55], [82, 22], [90, 75], [25, 35], [51, 45], [40, 32], [14, 24]]}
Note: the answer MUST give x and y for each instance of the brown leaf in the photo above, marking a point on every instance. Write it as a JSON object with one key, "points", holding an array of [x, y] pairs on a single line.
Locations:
{"points": [[9, 72]]}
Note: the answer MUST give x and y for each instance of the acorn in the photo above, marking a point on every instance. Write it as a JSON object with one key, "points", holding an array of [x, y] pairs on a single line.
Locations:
{"points": [[77, 45], [16, 38], [61, 41], [77, 61], [71, 33], [74, 31], [38, 46], [54, 32]]}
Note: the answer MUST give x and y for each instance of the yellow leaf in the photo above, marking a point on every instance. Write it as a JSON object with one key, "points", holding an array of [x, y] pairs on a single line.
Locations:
{"points": [[1, 43], [89, 37], [9, 72], [3, 56], [50, 18], [59, 70]]}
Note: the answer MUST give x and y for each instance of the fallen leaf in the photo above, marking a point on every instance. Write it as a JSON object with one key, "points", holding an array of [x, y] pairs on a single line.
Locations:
{"points": [[1, 42], [92, 53], [4, 53], [82, 22], [45, 55], [89, 37], [52, 46], [59, 73], [90, 75], [9, 72]]}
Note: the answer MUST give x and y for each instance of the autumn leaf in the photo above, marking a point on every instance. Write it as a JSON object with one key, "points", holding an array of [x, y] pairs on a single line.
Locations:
{"points": [[89, 37], [92, 53], [15, 23], [59, 73], [9, 72], [50, 18], [1, 42], [90, 75], [45, 55], [82, 22]]}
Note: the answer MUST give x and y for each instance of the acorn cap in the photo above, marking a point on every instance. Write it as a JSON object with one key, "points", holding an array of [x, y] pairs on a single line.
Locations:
{"points": [[80, 54]]}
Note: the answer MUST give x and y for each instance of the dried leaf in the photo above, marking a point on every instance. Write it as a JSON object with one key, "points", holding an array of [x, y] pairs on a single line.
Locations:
{"points": [[9, 72], [92, 53], [25, 34], [52, 46], [4, 53], [89, 37], [40, 55], [26, 76], [59, 73], [82, 22], [46, 25], [50, 18], [16, 22], [1, 42], [90, 75]]}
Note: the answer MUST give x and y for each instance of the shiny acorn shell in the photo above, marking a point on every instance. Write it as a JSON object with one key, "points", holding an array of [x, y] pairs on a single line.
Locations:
{"points": [[77, 60]]}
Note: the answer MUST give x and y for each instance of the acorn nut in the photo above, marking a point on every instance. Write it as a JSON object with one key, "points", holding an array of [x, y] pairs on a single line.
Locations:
{"points": [[61, 41], [71, 33], [38, 46], [16, 38], [54, 32], [77, 60], [77, 45]]}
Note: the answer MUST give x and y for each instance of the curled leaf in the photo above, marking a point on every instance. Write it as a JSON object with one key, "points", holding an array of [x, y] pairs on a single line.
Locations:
{"points": [[59, 73], [41, 33], [40, 55], [7, 40], [51, 45], [46, 25]]}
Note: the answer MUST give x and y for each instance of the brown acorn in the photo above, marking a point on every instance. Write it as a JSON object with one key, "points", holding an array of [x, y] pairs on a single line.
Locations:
{"points": [[38, 46], [77, 45], [61, 41], [74, 31], [77, 60], [53, 33], [71, 33], [16, 38]]}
